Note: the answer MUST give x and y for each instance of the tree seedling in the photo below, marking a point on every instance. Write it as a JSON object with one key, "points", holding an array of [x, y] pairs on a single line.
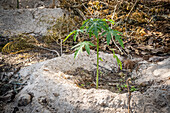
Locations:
{"points": [[132, 89], [97, 28], [124, 86]]}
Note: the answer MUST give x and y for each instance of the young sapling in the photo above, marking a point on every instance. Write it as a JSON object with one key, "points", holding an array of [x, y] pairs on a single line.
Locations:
{"points": [[97, 28]]}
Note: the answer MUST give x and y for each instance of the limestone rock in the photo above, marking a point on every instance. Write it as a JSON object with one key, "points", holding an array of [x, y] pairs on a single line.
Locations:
{"points": [[153, 72], [32, 21], [54, 93]]}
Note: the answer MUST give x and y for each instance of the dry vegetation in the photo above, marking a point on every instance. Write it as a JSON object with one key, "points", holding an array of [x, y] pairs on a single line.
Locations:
{"points": [[144, 24]]}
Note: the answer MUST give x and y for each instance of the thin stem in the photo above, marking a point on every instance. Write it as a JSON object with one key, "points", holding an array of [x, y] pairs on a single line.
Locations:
{"points": [[127, 83], [97, 77], [17, 4]]}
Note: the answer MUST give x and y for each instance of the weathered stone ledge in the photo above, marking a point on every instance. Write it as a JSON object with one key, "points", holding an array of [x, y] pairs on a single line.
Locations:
{"points": [[34, 21]]}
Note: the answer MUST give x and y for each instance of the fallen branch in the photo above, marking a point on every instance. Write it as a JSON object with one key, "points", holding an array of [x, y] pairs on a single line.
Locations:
{"points": [[49, 50]]}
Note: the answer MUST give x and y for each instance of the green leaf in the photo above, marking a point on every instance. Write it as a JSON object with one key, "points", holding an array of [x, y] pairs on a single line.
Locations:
{"points": [[104, 19], [108, 38], [82, 85], [95, 31], [87, 48], [81, 30], [76, 45], [117, 37], [132, 89], [80, 45], [104, 33], [69, 35], [122, 86], [90, 27], [85, 24], [119, 62], [100, 59], [125, 86], [76, 53], [90, 33], [103, 26], [111, 21], [75, 35], [114, 32], [91, 44], [121, 43], [79, 49], [117, 59]]}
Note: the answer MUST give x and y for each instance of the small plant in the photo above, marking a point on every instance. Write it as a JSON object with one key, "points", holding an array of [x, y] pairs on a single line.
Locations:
{"points": [[97, 28], [120, 87], [124, 86], [132, 89]]}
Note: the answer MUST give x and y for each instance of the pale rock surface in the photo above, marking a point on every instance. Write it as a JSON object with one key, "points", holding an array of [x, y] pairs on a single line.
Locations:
{"points": [[12, 4], [51, 93], [34, 21], [154, 72]]}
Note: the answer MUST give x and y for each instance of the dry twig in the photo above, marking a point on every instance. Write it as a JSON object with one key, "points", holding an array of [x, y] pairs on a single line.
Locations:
{"points": [[131, 10], [129, 98], [49, 50]]}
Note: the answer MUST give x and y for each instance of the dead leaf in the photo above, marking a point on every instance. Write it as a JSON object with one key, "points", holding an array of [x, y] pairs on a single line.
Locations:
{"points": [[148, 47]]}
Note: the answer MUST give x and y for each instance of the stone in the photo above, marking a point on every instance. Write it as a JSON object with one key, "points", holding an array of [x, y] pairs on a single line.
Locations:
{"points": [[12, 4], [30, 21], [54, 93], [24, 99], [154, 71]]}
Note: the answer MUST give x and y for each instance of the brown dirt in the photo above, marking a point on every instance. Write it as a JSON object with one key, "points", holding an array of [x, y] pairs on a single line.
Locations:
{"points": [[113, 81]]}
